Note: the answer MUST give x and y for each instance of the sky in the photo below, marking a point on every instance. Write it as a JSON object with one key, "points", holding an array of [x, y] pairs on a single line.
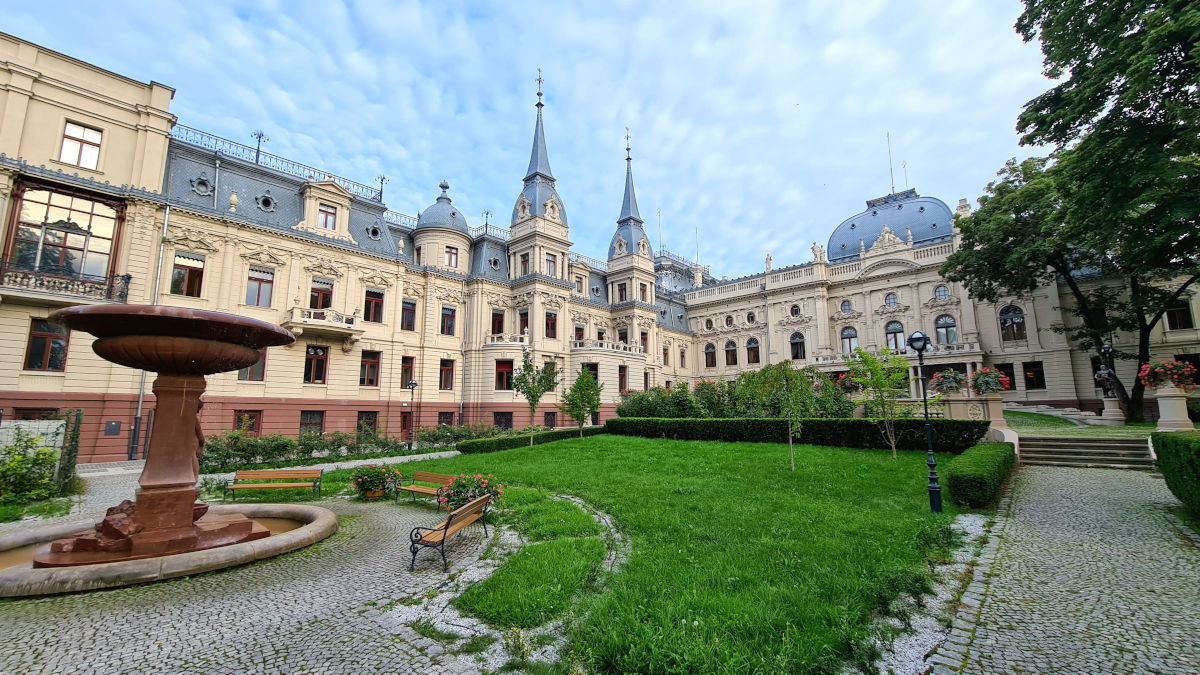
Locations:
{"points": [[756, 128]]}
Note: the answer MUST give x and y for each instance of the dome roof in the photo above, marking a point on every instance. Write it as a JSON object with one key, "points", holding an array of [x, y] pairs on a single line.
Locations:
{"points": [[443, 214], [929, 219], [632, 232]]}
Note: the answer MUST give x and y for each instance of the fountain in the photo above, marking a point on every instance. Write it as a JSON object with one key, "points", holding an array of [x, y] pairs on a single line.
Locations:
{"points": [[182, 346]]}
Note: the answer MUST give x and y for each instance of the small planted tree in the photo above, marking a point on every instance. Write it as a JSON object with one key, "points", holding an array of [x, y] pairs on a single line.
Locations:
{"points": [[582, 400], [883, 379], [532, 383]]}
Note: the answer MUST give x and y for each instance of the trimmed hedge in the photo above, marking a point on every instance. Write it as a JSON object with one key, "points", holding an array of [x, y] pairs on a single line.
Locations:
{"points": [[510, 442], [973, 479], [1179, 461], [952, 436]]}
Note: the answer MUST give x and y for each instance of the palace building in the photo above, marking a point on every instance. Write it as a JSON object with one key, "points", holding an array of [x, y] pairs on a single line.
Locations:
{"points": [[105, 198]]}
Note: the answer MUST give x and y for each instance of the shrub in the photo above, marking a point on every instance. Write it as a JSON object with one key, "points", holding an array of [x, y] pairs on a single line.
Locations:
{"points": [[1193, 409], [948, 381], [1179, 461], [465, 488], [510, 442], [449, 434], [973, 479], [951, 436], [236, 449], [373, 477], [26, 470]]}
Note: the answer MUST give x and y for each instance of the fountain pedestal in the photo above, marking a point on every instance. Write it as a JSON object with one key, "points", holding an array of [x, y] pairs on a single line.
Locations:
{"points": [[183, 346]]}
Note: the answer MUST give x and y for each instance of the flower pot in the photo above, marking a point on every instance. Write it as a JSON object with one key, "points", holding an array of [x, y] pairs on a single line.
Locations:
{"points": [[372, 495]]}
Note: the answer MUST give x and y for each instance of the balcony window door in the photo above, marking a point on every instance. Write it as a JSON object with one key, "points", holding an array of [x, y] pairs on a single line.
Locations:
{"points": [[578, 332], [523, 318], [893, 334], [552, 324], [849, 340], [752, 350], [320, 294], [64, 235], [946, 329], [645, 339], [497, 322], [621, 293], [551, 265]]}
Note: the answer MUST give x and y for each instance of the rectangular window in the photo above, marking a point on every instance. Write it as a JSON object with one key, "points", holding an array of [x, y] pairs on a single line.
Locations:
{"points": [[551, 265], [312, 422], [503, 420], [316, 359], [248, 421], [1179, 318], [447, 327], [645, 339], [320, 295], [259, 285], [667, 385], [524, 264], [550, 420], [1009, 371], [35, 414], [594, 369], [710, 357], [622, 378], [408, 315], [504, 375], [446, 375], [81, 146], [256, 372], [642, 292], [730, 354], [682, 358], [47, 347], [373, 307], [621, 293], [445, 419], [417, 256], [578, 284], [523, 316], [578, 332], [497, 322], [623, 336], [406, 369], [62, 234], [368, 371], [666, 356], [451, 257], [551, 324], [187, 275], [368, 422], [600, 334], [1035, 376], [327, 217], [645, 380]]}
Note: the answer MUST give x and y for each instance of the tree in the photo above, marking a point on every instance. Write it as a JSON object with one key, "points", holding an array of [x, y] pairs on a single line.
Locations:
{"points": [[1125, 119], [582, 400], [884, 379], [777, 391], [532, 383]]}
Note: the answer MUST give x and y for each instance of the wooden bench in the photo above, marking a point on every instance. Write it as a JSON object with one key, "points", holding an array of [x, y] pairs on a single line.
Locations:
{"points": [[295, 478], [441, 481], [436, 537]]}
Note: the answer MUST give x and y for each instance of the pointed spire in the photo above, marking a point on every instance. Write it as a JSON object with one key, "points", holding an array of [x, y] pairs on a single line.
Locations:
{"points": [[539, 161], [629, 209]]}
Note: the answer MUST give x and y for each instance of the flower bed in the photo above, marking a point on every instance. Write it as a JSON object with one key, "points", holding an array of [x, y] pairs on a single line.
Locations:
{"points": [[374, 478], [1166, 373], [989, 381], [467, 487], [948, 382]]}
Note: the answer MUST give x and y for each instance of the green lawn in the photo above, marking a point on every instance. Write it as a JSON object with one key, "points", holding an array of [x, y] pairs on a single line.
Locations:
{"points": [[1027, 421], [738, 565], [1036, 424]]}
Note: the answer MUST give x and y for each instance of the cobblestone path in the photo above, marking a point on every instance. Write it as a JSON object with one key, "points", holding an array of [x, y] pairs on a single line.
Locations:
{"points": [[305, 612], [1091, 576]]}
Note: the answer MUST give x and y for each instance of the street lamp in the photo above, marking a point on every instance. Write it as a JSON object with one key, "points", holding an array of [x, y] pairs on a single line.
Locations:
{"points": [[412, 422], [919, 342]]}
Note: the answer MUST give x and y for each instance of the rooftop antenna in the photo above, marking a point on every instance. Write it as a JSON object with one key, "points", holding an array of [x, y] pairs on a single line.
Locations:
{"points": [[891, 173], [486, 215], [260, 136], [659, 212], [382, 179], [904, 165]]}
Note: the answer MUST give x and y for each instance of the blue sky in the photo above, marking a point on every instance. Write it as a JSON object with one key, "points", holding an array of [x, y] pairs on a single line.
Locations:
{"points": [[762, 125]]}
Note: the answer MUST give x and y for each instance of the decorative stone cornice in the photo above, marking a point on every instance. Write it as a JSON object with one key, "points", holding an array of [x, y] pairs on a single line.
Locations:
{"points": [[552, 300], [846, 316], [523, 299], [324, 268], [449, 294], [192, 240], [934, 303], [376, 279], [580, 317], [263, 257], [884, 310], [799, 320]]}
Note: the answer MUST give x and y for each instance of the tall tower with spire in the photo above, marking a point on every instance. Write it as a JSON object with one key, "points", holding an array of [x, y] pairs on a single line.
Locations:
{"points": [[631, 274]]}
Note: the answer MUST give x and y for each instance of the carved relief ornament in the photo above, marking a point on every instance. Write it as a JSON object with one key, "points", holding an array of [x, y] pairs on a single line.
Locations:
{"points": [[263, 257], [948, 302], [192, 240], [798, 320], [884, 310], [376, 279], [551, 300], [324, 268]]}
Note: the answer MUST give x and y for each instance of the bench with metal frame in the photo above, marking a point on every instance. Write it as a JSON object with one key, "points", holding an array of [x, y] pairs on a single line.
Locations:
{"points": [[296, 478], [436, 537], [441, 479]]}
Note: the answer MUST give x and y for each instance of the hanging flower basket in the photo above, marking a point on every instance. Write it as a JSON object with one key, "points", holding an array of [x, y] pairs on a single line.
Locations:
{"points": [[1168, 373], [948, 382], [989, 381]]}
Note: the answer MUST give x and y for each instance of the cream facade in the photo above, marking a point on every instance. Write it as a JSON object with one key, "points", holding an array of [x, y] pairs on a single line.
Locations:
{"points": [[378, 300]]}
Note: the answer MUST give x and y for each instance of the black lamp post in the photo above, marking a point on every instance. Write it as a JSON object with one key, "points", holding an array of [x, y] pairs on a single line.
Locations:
{"points": [[412, 423], [919, 342]]}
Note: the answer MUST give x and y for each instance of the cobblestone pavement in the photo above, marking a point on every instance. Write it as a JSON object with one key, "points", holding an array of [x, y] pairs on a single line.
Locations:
{"points": [[1091, 576], [304, 612]]}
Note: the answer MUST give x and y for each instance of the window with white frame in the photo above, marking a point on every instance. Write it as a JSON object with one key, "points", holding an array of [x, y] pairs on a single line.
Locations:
{"points": [[80, 146]]}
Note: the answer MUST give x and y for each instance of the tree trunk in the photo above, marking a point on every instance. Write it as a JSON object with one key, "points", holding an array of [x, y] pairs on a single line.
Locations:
{"points": [[1136, 411], [791, 452], [581, 429]]}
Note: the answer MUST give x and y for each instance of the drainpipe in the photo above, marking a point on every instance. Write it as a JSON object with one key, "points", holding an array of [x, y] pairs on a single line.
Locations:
{"points": [[137, 420], [462, 350], [216, 181]]}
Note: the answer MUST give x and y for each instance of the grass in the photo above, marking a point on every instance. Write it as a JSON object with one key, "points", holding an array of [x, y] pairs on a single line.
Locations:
{"points": [[425, 628], [1022, 421], [1036, 424], [738, 564], [476, 644], [49, 508]]}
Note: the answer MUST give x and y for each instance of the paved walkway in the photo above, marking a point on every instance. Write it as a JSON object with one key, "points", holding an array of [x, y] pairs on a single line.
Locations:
{"points": [[1091, 576]]}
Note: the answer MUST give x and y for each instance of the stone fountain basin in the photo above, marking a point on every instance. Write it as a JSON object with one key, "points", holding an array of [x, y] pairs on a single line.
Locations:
{"points": [[319, 523]]}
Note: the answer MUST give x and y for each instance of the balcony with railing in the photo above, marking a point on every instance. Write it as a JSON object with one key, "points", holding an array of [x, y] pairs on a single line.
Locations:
{"points": [[504, 339], [597, 265], [940, 352], [60, 287], [605, 345], [305, 320]]}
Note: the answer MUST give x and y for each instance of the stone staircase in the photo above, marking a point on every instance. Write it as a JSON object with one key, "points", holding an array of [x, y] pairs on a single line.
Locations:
{"points": [[1108, 453]]}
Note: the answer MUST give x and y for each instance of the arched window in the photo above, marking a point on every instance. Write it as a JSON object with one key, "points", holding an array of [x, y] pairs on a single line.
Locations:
{"points": [[941, 293], [730, 353], [847, 307], [893, 334], [1012, 324], [752, 350], [946, 330], [797, 341], [849, 340], [710, 355], [891, 300]]}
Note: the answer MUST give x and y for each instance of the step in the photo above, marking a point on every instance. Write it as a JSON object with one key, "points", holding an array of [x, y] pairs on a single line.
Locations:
{"points": [[1115, 459], [1081, 441], [1089, 465], [1026, 452]]}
